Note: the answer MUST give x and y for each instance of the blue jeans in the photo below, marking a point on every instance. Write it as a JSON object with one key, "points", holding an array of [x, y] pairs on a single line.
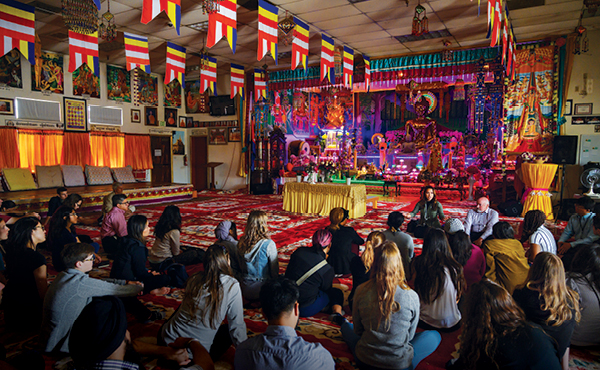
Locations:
{"points": [[423, 343], [314, 308]]}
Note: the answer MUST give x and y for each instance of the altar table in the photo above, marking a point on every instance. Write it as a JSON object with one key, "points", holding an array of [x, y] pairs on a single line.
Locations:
{"points": [[302, 197]]}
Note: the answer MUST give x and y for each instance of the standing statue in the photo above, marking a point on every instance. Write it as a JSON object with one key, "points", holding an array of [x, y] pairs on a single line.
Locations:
{"points": [[422, 130], [435, 156]]}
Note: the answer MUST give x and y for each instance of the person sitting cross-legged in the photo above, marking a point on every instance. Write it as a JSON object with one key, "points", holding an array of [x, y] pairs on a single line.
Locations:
{"points": [[280, 347], [57, 201], [114, 226], [480, 221], [505, 258], [579, 231]]}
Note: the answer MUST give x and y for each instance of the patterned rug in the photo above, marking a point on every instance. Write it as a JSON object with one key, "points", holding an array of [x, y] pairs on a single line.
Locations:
{"points": [[289, 231]]}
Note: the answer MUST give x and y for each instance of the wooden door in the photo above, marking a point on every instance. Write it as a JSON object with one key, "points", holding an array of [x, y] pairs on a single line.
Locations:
{"points": [[161, 159], [198, 161]]}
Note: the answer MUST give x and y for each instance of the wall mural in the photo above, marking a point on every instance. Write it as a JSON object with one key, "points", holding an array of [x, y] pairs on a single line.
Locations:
{"points": [[118, 83], [172, 92], [10, 69], [48, 73]]}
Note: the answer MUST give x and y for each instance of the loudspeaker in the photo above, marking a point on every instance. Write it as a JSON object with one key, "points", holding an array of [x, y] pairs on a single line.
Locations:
{"points": [[565, 149], [510, 208]]}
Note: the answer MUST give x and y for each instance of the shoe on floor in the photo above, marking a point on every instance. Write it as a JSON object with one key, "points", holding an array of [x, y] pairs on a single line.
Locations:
{"points": [[337, 319], [156, 315]]}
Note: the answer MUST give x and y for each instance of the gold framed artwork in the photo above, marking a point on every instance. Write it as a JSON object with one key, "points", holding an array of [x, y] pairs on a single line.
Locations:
{"points": [[75, 114], [7, 106]]}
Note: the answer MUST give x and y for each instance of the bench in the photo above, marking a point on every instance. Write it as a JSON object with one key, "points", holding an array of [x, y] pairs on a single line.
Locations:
{"points": [[373, 200]]}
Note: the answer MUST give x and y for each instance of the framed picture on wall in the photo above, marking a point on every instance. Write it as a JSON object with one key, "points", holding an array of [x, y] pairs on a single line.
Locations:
{"points": [[7, 106], [182, 122], [136, 116], [151, 114], [189, 122], [582, 109], [569, 107], [217, 136], [75, 114], [171, 117], [235, 135]]}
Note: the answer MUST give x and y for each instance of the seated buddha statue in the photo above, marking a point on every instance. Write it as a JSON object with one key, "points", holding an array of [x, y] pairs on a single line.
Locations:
{"points": [[422, 130]]}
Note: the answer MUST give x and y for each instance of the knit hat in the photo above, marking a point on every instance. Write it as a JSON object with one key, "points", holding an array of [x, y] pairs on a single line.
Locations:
{"points": [[222, 231], [322, 238], [453, 226]]}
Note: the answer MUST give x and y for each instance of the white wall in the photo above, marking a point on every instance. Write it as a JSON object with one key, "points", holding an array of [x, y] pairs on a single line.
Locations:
{"points": [[229, 155]]}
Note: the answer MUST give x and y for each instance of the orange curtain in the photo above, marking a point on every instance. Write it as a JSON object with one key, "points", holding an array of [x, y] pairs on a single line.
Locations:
{"points": [[137, 152], [40, 148], [76, 149], [9, 150], [108, 149]]}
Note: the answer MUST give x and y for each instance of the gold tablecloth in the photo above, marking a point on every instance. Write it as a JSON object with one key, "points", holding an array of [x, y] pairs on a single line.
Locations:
{"points": [[537, 179], [303, 197]]}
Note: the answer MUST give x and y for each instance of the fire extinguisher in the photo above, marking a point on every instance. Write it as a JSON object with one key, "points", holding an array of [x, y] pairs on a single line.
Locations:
{"points": [[185, 160]]}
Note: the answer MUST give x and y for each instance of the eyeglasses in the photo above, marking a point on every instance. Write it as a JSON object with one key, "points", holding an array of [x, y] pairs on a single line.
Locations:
{"points": [[91, 258]]}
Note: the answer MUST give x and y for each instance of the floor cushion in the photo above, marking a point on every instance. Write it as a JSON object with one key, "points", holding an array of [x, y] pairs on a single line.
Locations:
{"points": [[49, 176], [124, 175], [96, 175], [73, 175], [19, 179]]}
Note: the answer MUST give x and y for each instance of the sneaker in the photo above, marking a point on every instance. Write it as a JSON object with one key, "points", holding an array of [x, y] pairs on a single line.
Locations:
{"points": [[156, 315], [337, 319]]}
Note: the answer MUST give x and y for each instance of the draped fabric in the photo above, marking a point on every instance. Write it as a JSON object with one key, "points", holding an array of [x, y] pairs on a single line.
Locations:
{"points": [[108, 149], [9, 150], [40, 148], [137, 152], [538, 178], [566, 67], [302, 197], [76, 149]]}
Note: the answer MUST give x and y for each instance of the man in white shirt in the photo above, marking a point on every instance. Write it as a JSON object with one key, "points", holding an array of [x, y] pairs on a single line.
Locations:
{"points": [[480, 221]]}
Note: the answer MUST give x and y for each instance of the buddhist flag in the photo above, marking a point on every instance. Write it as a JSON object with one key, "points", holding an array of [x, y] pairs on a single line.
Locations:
{"points": [[327, 65], [237, 80], [348, 66], [152, 8], [17, 28], [136, 52], [267, 29], [84, 49], [175, 64], [260, 84], [300, 44], [223, 23], [497, 24], [208, 76], [504, 41], [367, 72]]}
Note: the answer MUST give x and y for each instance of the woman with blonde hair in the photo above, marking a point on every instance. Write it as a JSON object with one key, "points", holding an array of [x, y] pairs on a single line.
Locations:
{"points": [[260, 254], [386, 314], [360, 266], [344, 237], [548, 302]]}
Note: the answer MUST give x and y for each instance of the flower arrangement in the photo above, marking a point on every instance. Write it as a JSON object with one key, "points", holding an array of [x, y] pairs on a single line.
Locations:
{"points": [[485, 160], [527, 157], [310, 167]]}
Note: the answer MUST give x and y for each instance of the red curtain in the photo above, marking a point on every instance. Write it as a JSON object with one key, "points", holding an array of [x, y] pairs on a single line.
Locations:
{"points": [[9, 150], [107, 149], [137, 152], [40, 148], [76, 149]]}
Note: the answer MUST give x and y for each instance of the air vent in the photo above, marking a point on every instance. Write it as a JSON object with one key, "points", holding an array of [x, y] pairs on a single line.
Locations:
{"points": [[426, 36], [110, 46], [45, 8], [524, 4], [248, 4], [37, 110], [60, 36], [356, 1], [105, 115], [284, 55]]}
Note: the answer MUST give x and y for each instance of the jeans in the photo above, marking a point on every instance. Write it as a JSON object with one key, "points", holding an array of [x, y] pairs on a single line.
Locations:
{"points": [[333, 296], [423, 343]]}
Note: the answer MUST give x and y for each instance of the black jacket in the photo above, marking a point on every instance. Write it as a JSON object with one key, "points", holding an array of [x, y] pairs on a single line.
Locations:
{"points": [[302, 260]]}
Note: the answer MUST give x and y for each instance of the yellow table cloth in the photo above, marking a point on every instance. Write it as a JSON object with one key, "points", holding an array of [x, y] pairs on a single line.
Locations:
{"points": [[302, 197], [537, 179]]}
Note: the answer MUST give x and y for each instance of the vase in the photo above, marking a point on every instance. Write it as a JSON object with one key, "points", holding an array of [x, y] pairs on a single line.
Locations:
{"points": [[298, 178], [348, 181], [313, 178]]}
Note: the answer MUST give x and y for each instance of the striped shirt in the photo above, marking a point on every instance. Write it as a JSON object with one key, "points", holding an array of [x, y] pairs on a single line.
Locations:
{"points": [[544, 238]]}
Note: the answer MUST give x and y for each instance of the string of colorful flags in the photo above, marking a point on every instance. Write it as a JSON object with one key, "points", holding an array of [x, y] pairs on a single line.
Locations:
{"points": [[500, 30]]}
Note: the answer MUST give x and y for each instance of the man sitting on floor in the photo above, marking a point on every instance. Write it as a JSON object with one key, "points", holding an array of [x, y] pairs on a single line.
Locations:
{"points": [[8, 214], [480, 221], [580, 230], [280, 347], [107, 204], [114, 225], [71, 291], [57, 201]]}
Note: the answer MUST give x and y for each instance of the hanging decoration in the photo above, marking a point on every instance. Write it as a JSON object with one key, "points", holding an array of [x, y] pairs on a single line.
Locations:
{"points": [[348, 66], [237, 80], [208, 75], [223, 23], [175, 64], [81, 16], [459, 90], [300, 44], [420, 23], [136, 52], [447, 54], [83, 49], [286, 26], [497, 22], [478, 120], [367, 72], [327, 64], [210, 6], [267, 30], [260, 84], [108, 30], [17, 29], [581, 44], [152, 8]]}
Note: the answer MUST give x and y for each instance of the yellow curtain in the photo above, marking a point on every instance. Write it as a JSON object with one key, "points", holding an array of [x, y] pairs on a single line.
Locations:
{"points": [[9, 150], [108, 149], [538, 178], [40, 148], [76, 149], [137, 152]]}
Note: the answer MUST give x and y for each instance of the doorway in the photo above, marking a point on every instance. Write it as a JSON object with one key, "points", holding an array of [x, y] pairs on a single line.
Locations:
{"points": [[199, 160], [161, 159]]}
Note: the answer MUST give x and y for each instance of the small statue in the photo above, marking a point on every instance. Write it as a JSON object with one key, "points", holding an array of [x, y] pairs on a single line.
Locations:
{"points": [[335, 115], [435, 156], [421, 130]]}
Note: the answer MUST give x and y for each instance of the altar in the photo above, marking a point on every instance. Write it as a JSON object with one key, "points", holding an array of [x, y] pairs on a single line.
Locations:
{"points": [[302, 197]]}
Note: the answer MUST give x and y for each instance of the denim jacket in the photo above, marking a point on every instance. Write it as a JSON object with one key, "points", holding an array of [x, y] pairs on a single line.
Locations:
{"points": [[262, 261]]}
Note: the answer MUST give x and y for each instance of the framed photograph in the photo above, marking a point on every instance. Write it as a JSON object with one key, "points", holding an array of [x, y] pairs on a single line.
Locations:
{"points": [[182, 122], [582, 109], [7, 106], [151, 114], [75, 114], [189, 122], [196, 123], [136, 116], [217, 136], [171, 117], [178, 143], [235, 134], [597, 128], [569, 107]]}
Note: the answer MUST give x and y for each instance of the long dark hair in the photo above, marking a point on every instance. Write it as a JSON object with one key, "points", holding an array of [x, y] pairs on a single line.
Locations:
{"points": [[71, 200], [586, 262], [136, 226], [461, 247], [215, 265], [532, 221], [490, 313], [58, 222], [503, 230], [430, 268], [169, 220], [423, 191], [20, 236]]}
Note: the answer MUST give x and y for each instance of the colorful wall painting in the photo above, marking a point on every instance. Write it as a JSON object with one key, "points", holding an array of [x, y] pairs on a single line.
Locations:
{"points": [[48, 73], [10, 69], [178, 142], [173, 94], [86, 82], [147, 89], [192, 96], [75, 114], [118, 83]]}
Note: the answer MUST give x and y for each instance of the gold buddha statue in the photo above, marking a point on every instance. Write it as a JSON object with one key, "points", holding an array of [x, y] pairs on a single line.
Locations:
{"points": [[421, 130]]}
